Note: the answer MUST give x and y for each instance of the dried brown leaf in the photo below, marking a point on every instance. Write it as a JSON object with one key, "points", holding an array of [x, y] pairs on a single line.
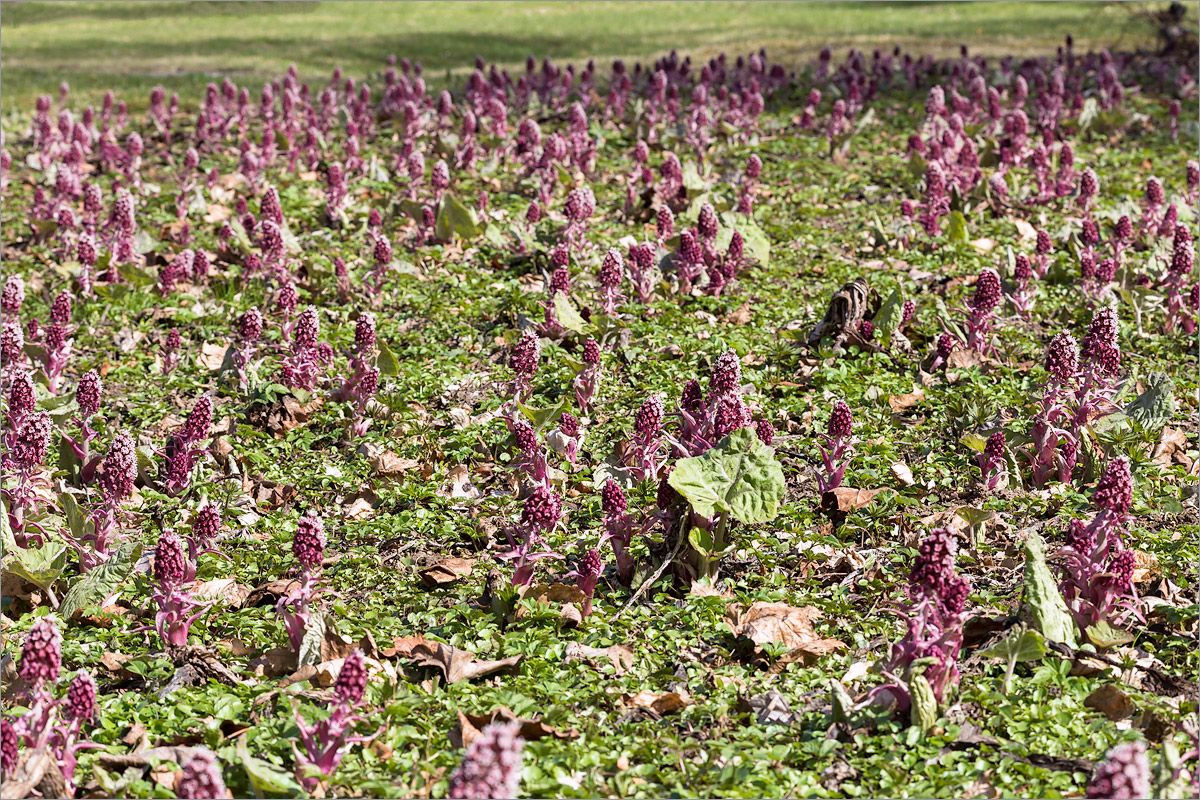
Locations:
{"points": [[1111, 701], [470, 726], [847, 498], [446, 571], [659, 703]]}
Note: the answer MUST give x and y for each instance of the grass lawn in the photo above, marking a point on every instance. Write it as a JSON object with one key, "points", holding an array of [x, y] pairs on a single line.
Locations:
{"points": [[131, 47]]}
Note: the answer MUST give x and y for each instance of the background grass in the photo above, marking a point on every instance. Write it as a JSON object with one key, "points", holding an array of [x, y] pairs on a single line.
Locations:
{"points": [[132, 47]]}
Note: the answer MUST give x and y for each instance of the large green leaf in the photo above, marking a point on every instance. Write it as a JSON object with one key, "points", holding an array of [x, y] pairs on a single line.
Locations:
{"points": [[956, 229], [310, 645], [265, 777], [102, 581], [1025, 645], [455, 219], [386, 361], [758, 246], [566, 314], [1154, 407], [888, 318], [1043, 601], [41, 566], [740, 476]]}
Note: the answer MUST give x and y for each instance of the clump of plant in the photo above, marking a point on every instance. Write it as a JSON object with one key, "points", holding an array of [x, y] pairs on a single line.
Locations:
{"points": [[295, 607], [491, 767], [327, 741]]}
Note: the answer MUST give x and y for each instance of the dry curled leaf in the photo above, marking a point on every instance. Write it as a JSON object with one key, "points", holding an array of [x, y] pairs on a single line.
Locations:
{"points": [[470, 726], [446, 571], [212, 355], [659, 703], [903, 402], [1110, 701], [768, 623], [619, 655], [454, 663], [903, 473], [458, 484], [847, 498]]}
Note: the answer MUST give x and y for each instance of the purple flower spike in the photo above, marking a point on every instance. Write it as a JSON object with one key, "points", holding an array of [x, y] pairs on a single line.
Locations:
{"points": [[81, 698], [726, 374], [41, 654], [88, 393], [1062, 358], [9, 752], [352, 680], [491, 767], [308, 544], [840, 421], [542, 509], [170, 567], [1123, 775], [200, 778], [1114, 491]]}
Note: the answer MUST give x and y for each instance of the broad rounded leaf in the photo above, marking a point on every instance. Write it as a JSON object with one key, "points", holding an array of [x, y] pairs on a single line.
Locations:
{"points": [[739, 476]]}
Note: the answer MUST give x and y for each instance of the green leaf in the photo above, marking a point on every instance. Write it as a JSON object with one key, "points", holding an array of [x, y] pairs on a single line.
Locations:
{"points": [[455, 219], [1154, 407], [693, 181], [101, 581], [924, 703], [1045, 604], [974, 441], [1026, 645], [702, 540], [956, 230], [739, 476], [41, 566], [310, 645], [566, 314], [135, 275], [758, 246], [386, 361], [1104, 635], [888, 318], [77, 518], [609, 469], [60, 407], [541, 417], [264, 776]]}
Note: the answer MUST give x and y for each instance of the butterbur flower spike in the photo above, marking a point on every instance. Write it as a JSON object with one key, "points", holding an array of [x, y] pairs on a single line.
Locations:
{"points": [[295, 606], [491, 767], [992, 461], [328, 741], [838, 444]]}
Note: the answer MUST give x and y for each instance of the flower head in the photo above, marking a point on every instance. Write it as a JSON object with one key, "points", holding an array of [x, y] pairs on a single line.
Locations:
{"points": [[491, 767], [81, 697], [170, 568], [308, 543], [591, 352], [251, 325], [207, 523], [199, 421], [726, 374], [200, 778], [525, 353], [1124, 773], [41, 654], [9, 752], [308, 328], [987, 291], [119, 469], [32, 440], [88, 393], [707, 223], [649, 419], [13, 294], [1114, 491], [766, 433], [612, 269], [665, 223], [542, 509], [841, 422], [612, 499], [352, 680], [364, 334], [1062, 357], [1045, 245]]}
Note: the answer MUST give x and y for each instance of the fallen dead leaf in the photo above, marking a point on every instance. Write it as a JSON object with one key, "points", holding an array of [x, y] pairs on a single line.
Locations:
{"points": [[225, 590], [739, 316], [1172, 445], [470, 727], [1145, 566], [216, 214], [847, 498], [212, 355], [619, 655], [274, 663], [1110, 701], [359, 508], [659, 703], [768, 623], [1025, 231], [446, 571], [903, 473], [458, 484], [902, 402], [456, 664], [388, 465]]}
